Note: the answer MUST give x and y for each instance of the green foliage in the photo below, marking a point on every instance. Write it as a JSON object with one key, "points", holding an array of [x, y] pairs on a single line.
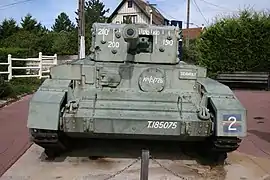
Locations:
{"points": [[190, 54], [30, 24], [237, 43], [65, 43], [63, 23], [8, 27], [18, 86], [22, 39], [16, 52], [5, 89], [94, 12], [24, 85]]}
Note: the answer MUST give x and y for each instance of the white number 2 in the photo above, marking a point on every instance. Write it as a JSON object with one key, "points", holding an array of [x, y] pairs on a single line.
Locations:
{"points": [[112, 44], [167, 42], [233, 119]]}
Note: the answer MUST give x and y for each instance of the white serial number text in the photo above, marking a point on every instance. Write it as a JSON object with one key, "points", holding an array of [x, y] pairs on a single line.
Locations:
{"points": [[161, 125]]}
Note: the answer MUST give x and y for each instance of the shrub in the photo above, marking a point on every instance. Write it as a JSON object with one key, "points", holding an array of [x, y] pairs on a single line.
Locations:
{"points": [[5, 89], [24, 85], [190, 53], [237, 43], [18, 86]]}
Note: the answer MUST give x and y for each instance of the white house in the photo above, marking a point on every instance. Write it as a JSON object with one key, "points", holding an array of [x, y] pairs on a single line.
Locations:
{"points": [[137, 11]]}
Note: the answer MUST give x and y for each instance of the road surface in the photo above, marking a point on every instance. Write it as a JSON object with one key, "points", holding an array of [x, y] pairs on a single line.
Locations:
{"points": [[251, 161]]}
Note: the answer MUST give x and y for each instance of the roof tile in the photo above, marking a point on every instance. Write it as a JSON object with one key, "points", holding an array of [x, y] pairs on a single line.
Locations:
{"points": [[193, 33]]}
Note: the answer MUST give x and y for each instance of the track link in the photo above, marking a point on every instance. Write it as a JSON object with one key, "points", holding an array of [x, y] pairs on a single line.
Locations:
{"points": [[225, 144], [51, 141]]}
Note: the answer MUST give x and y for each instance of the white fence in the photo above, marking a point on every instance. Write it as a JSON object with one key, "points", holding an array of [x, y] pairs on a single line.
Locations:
{"points": [[39, 65]]}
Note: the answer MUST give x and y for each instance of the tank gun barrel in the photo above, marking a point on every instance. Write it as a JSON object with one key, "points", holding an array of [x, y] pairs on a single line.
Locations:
{"points": [[131, 36]]}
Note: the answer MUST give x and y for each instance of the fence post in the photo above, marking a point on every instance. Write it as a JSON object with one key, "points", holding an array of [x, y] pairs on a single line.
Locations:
{"points": [[40, 64], [55, 59], [9, 67]]}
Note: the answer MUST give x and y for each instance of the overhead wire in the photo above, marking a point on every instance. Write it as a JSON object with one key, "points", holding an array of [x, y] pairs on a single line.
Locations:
{"points": [[212, 4], [199, 10], [173, 17], [12, 4], [164, 12]]}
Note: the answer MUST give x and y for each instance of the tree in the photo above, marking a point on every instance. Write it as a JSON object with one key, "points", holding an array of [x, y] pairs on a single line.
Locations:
{"points": [[30, 24], [94, 12], [22, 39], [63, 23], [65, 43], [7, 28]]}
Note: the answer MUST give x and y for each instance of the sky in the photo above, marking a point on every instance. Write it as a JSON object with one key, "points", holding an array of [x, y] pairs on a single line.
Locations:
{"points": [[201, 11]]}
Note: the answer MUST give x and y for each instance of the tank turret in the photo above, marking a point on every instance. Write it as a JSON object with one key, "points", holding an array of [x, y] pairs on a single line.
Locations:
{"points": [[146, 43]]}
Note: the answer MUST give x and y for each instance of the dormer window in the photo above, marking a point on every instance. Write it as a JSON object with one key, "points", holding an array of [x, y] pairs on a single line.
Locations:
{"points": [[129, 4]]}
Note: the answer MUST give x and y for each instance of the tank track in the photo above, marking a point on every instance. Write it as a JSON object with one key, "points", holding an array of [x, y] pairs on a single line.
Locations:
{"points": [[225, 144], [52, 141]]}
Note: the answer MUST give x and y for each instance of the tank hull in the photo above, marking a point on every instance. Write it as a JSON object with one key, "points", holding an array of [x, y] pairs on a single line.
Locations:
{"points": [[133, 86], [109, 116]]}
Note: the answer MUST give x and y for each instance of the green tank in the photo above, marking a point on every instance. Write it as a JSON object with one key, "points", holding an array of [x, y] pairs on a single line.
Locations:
{"points": [[134, 86]]}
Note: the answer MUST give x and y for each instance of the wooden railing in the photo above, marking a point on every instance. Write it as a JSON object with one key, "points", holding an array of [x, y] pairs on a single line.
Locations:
{"points": [[39, 66]]}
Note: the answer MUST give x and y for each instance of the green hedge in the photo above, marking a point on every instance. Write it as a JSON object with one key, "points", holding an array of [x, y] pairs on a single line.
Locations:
{"points": [[237, 43], [18, 86]]}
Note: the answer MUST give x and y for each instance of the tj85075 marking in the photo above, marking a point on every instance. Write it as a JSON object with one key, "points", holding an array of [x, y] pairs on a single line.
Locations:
{"points": [[162, 125]]}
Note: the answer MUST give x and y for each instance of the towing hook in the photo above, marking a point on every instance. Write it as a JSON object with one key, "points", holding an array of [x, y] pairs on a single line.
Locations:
{"points": [[203, 113]]}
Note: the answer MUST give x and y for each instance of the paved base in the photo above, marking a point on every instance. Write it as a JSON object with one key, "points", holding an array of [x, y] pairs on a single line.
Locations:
{"points": [[14, 142], [257, 103], [14, 138], [31, 166]]}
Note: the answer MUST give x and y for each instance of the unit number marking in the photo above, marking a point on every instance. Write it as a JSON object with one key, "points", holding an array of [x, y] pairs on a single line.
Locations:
{"points": [[161, 125], [103, 31], [112, 44], [167, 42], [233, 121]]}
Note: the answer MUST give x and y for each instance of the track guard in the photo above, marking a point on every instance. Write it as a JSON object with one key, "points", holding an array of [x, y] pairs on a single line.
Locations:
{"points": [[45, 105], [230, 115]]}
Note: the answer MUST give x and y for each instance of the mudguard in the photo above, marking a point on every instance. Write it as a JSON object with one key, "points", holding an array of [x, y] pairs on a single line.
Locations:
{"points": [[230, 114], [45, 105]]}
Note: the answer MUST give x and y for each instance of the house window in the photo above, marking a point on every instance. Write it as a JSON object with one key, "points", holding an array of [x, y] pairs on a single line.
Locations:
{"points": [[130, 19], [129, 4]]}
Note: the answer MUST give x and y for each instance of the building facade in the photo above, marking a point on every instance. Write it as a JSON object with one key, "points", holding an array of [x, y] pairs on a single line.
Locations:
{"points": [[136, 11]]}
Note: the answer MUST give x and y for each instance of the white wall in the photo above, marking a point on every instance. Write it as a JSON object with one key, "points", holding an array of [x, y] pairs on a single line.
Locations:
{"points": [[134, 10]]}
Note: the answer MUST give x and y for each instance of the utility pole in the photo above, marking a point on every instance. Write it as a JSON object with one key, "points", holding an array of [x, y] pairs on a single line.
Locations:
{"points": [[188, 14], [81, 30]]}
